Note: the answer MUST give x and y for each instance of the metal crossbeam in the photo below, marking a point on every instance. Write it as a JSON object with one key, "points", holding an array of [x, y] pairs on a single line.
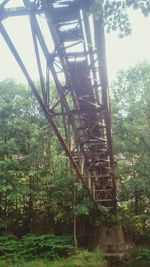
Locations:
{"points": [[82, 101]]}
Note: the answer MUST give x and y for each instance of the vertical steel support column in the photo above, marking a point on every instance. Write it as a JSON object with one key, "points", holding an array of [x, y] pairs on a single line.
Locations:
{"points": [[101, 52]]}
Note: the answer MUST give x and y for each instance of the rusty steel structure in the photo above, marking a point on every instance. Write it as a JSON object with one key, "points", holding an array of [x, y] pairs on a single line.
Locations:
{"points": [[77, 65]]}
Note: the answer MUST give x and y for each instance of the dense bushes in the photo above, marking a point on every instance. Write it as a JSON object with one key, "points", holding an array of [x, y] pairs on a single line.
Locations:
{"points": [[36, 188], [45, 251], [141, 231], [140, 258], [32, 247], [81, 259]]}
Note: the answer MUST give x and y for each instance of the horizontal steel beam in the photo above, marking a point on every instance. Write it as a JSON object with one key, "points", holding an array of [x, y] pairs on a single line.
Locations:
{"points": [[18, 12]]}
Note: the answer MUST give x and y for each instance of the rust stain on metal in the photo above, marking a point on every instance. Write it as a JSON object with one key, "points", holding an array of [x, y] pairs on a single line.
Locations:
{"points": [[82, 101]]}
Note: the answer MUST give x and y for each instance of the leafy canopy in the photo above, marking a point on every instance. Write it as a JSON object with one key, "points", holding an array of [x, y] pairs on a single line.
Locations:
{"points": [[131, 131], [115, 13]]}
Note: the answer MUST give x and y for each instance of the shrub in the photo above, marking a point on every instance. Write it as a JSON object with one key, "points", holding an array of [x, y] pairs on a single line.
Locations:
{"points": [[81, 259], [141, 233], [33, 247], [140, 258]]}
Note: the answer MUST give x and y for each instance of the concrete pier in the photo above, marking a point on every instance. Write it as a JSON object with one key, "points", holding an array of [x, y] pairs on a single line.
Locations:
{"points": [[112, 242]]}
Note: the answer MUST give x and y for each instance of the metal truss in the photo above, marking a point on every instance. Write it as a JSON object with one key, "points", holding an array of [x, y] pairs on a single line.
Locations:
{"points": [[77, 65]]}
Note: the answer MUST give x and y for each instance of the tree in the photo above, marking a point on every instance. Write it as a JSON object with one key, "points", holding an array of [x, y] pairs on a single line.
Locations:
{"points": [[131, 131], [115, 13], [35, 178]]}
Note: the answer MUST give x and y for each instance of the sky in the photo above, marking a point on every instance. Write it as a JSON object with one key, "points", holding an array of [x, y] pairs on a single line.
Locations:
{"points": [[127, 51], [121, 53]]}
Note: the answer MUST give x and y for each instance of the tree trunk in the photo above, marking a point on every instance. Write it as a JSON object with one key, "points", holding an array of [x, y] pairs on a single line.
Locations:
{"points": [[74, 216]]}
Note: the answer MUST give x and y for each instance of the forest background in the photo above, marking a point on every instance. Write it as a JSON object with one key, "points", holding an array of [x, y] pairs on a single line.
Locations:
{"points": [[37, 187], [38, 190]]}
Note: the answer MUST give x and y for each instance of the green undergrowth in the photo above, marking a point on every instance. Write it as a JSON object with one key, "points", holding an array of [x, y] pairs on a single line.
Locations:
{"points": [[81, 259], [140, 258], [32, 247]]}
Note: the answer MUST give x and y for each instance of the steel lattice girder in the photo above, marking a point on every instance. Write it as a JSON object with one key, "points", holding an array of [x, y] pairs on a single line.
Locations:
{"points": [[82, 97]]}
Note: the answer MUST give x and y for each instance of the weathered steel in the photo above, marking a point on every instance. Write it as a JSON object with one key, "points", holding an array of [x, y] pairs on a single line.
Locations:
{"points": [[44, 108], [82, 100]]}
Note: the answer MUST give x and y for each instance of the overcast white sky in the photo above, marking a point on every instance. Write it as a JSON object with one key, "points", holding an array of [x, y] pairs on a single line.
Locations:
{"points": [[125, 52], [121, 53]]}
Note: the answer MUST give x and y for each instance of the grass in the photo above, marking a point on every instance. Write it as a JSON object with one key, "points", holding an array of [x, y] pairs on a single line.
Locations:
{"points": [[82, 259]]}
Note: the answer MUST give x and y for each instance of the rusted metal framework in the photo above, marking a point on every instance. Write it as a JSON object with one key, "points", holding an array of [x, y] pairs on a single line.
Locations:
{"points": [[77, 65]]}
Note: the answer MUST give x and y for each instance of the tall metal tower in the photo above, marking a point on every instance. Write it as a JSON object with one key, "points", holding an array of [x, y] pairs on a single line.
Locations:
{"points": [[77, 65]]}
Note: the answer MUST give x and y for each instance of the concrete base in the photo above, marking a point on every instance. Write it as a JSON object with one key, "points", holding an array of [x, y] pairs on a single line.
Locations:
{"points": [[111, 241]]}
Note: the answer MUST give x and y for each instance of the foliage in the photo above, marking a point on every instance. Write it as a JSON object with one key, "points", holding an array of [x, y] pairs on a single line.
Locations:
{"points": [[131, 113], [140, 230], [35, 177], [4, 264], [85, 258], [36, 180], [32, 167], [36, 247], [115, 13], [82, 259], [140, 257]]}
